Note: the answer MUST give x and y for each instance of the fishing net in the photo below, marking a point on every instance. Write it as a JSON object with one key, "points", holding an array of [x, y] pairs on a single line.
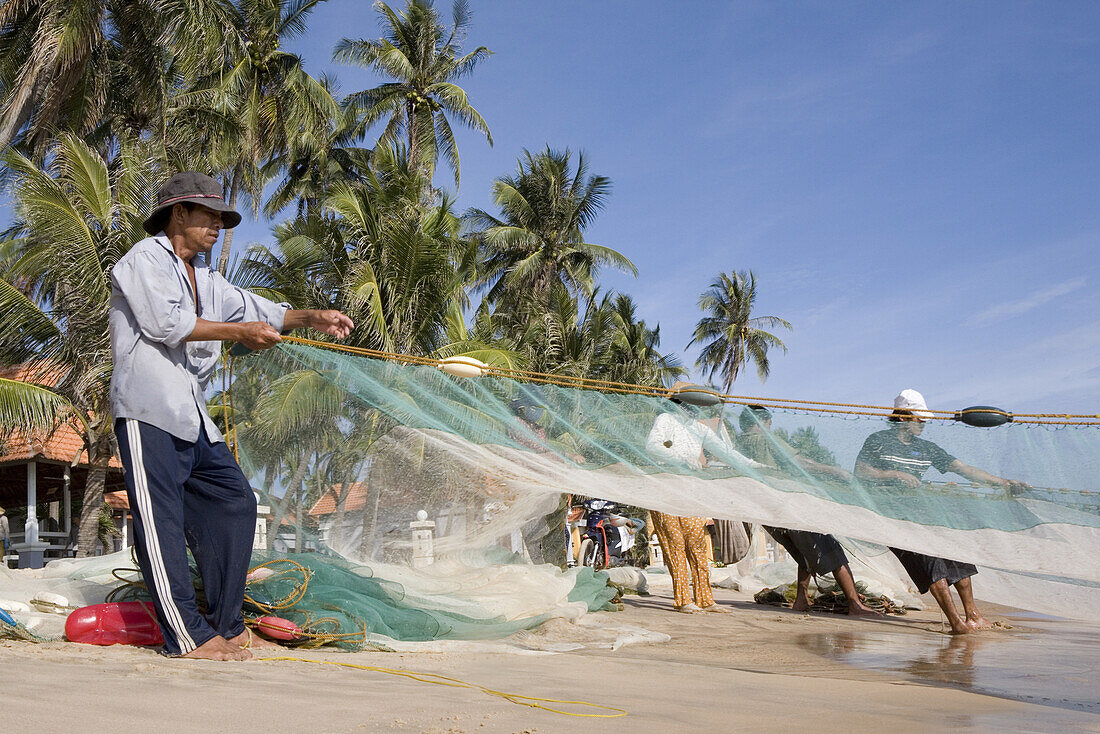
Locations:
{"points": [[370, 445], [402, 503]]}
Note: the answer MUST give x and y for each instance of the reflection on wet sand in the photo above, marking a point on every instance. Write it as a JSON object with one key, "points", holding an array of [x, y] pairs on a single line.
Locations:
{"points": [[1051, 663]]}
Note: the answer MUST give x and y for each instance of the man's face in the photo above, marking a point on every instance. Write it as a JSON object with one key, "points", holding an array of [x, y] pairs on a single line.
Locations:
{"points": [[200, 226], [913, 424]]}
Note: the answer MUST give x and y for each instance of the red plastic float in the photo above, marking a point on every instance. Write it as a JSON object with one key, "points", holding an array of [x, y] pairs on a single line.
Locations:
{"points": [[278, 628], [118, 623]]}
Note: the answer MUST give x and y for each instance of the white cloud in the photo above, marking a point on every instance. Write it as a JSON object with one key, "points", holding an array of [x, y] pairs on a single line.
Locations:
{"points": [[1027, 303]]}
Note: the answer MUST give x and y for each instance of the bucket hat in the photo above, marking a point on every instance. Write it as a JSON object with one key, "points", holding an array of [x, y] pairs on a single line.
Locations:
{"points": [[194, 187]]}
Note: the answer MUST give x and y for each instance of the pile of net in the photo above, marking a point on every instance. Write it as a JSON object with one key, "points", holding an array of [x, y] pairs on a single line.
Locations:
{"points": [[828, 598]]}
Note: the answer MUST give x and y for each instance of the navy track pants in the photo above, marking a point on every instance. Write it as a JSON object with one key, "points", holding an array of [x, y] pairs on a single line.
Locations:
{"points": [[188, 495]]}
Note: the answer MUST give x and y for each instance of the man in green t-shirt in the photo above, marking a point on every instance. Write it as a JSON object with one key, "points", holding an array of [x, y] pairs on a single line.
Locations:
{"points": [[899, 457], [815, 553]]}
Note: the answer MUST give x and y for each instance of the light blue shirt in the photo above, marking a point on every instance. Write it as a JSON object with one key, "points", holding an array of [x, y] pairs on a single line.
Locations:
{"points": [[158, 377]]}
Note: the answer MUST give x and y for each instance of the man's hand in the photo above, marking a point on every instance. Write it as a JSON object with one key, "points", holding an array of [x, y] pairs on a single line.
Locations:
{"points": [[257, 335], [331, 322], [906, 478], [1015, 486]]}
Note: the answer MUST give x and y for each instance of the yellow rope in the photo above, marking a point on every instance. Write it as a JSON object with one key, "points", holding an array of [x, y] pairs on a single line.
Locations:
{"points": [[443, 680], [628, 388]]}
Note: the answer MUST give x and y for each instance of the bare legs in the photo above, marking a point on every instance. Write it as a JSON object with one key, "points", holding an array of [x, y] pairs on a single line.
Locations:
{"points": [[974, 618], [843, 576], [941, 592], [801, 595], [856, 607]]}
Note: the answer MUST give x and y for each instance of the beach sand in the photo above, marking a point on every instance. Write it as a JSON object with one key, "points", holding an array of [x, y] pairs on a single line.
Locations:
{"points": [[756, 668]]}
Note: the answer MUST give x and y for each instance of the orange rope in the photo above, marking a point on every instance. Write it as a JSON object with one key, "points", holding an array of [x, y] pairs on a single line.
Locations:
{"points": [[631, 389]]}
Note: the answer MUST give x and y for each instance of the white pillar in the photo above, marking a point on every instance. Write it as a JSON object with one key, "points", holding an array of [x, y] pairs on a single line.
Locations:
{"points": [[423, 540], [31, 528], [67, 503]]}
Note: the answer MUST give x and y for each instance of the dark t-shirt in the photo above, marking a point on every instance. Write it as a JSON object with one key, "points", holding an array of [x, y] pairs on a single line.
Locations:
{"points": [[767, 449], [886, 452]]}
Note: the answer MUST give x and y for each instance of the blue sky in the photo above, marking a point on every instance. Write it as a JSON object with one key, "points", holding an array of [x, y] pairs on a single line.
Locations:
{"points": [[914, 185]]}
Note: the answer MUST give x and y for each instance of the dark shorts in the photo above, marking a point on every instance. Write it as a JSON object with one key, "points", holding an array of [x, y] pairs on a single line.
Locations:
{"points": [[927, 570], [815, 552]]}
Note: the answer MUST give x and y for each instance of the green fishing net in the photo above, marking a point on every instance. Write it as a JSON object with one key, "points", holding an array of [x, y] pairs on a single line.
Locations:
{"points": [[353, 450]]}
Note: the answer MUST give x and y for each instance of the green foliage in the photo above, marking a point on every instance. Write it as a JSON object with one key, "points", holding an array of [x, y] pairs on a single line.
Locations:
{"points": [[74, 220], [537, 246], [424, 59], [808, 444], [731, 336]]}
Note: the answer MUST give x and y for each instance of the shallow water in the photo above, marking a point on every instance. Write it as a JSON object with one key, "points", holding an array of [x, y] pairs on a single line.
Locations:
{"points": [[1051, 663]]}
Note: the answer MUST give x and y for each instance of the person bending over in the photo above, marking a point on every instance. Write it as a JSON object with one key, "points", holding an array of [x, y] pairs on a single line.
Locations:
{"points": [[899, 456], [815, 553]]}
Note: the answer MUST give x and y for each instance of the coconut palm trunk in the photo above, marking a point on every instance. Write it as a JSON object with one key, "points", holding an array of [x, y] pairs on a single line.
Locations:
{"points": [[102, 450], [227, 237]]}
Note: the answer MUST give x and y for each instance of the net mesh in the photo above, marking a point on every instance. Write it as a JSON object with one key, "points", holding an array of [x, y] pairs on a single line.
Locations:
{"points": [[490, 472], [402, 503]]}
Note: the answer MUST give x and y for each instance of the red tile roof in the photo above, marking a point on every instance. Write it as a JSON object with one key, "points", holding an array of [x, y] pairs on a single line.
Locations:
{"points": [[117, 500], [356, 499], [63, 443]]}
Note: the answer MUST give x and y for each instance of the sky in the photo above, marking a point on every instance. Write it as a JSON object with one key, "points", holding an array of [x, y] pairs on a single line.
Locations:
{"points": [[914, 185]]}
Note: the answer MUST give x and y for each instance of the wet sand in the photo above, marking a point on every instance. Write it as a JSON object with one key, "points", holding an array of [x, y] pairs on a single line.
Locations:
{"points": [[757, 668]]}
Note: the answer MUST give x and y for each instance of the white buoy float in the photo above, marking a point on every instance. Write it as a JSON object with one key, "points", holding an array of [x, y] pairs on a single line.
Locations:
{"points": [[460, 366], [46, 601]]}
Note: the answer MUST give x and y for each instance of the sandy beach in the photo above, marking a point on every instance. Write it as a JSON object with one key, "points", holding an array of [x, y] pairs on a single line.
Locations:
{"points": [[756, 668]]}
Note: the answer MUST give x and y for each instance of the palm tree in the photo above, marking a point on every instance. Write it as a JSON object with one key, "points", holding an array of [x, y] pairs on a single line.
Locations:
{"points": [[732, 335], [314, 164], [101, 68], [538, 243], [424, 59], [634, 356], [266, 92], [381, 255], [74, 221]]}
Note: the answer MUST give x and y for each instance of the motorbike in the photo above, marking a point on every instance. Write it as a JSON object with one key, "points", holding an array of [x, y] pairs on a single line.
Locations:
{"points": [[606, 536]]}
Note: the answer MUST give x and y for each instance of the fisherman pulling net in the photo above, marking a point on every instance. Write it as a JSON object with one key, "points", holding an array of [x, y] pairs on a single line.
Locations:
{"points": [[419, 505], [384, 440]]}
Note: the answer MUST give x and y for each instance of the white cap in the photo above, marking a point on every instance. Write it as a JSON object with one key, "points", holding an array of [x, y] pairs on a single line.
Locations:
{"points": [[912, 401]]}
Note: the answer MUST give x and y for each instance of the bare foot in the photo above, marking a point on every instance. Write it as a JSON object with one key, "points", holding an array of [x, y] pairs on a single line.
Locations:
{"points": [[687, 608], [960, 628], [246, 640], [218, 648], [800, 606], [859, 609], [978, 623]]}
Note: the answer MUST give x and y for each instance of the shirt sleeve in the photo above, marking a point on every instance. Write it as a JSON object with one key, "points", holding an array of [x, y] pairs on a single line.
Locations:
{"points": [[237, 304], [940, 458], [155, 297], [871, 452], [721, 447]]}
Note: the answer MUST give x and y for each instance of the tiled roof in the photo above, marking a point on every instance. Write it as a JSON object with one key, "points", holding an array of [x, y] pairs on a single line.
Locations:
{"points": [[62, 444], [117, 500], [356, 499]]}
